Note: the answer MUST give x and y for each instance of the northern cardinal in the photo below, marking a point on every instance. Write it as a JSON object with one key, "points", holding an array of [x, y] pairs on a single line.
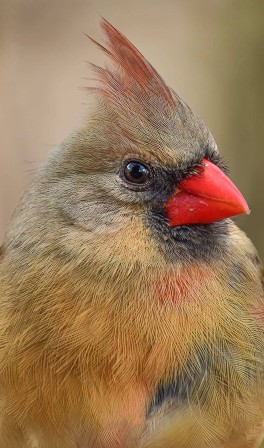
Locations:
{"points": [[131, 304]]}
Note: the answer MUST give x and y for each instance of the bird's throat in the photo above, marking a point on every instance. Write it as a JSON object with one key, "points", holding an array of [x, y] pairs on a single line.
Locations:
{"points": [[180, 287]]}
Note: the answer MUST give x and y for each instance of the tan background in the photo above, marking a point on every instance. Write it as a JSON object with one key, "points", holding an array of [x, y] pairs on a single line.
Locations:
{"points": [[210, 51]]}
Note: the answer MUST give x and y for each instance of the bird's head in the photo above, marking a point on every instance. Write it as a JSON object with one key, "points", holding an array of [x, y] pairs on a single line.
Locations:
{"points": [[142, 180]]}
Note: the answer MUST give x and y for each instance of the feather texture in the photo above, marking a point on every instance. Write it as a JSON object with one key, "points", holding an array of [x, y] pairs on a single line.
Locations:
{"points": [[115, 329]]}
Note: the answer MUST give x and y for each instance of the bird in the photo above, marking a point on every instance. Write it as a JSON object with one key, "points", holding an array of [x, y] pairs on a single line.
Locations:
{"points": [[131, 303]]}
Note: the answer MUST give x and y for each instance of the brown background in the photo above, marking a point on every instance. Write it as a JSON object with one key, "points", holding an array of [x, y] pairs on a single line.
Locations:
{"points": [[210, 51]]}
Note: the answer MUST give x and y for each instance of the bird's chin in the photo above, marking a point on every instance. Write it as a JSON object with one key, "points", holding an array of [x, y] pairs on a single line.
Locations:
{"points": [[187, 243]]}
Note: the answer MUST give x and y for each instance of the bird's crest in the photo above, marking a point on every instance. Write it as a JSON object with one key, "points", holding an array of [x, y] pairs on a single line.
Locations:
{"points": [[130, 74], [147, 112]]}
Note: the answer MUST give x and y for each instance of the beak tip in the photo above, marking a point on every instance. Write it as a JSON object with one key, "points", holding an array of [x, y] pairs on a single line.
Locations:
{"points": [[246, 210]]}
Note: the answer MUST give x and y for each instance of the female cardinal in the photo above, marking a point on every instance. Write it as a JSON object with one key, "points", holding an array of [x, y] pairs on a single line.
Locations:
{"points": [[131, 305]]}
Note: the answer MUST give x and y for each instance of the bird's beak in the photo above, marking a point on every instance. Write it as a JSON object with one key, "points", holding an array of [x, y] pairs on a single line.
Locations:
{"points": [[204, 198]]}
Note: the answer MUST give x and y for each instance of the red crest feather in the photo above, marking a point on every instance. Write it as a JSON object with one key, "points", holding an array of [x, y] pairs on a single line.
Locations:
{"points": [[131, 72], [147, 112]]}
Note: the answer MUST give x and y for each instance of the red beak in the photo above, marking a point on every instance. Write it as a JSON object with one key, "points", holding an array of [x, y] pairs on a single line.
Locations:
{"points": [[206, 197]]}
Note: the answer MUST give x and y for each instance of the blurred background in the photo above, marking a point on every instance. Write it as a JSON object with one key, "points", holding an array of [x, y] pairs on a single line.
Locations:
{"points": [[210, 51]]}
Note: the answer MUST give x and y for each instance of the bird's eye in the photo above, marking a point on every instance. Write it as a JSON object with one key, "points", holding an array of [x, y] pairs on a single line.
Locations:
{"points": [[136, 173]]}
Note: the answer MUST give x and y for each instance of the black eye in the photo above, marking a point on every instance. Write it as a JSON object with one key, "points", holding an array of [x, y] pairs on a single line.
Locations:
{"points": [[136, 173]]}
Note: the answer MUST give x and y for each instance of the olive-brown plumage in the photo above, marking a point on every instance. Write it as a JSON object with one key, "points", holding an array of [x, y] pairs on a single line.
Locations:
{"points": [[129, 319]]}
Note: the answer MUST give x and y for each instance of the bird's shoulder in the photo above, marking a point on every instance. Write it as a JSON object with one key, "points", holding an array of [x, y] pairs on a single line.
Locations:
{"points": [[259, 267], [261, 274]]}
